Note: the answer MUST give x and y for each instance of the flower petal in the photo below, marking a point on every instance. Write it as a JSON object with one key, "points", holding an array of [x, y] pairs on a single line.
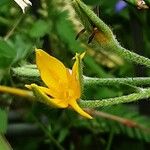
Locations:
{"points": [[78, 109], [43, 89], [48, 91], [60, 103], [52, 71], [42, 97]]}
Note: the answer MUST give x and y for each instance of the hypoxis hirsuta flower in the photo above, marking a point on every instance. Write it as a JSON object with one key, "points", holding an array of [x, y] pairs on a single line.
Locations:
{"points": [[23, 4], [63, 85]]}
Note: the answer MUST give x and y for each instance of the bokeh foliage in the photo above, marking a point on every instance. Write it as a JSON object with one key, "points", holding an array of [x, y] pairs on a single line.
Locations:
{"points": [[53, 25]]}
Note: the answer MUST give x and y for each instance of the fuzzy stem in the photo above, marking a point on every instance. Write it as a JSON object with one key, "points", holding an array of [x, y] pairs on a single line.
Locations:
{"points": [[28, 73], [104, 35], [25, 72], [145, 93], [130, 56], [92, 16], [114, 81]]}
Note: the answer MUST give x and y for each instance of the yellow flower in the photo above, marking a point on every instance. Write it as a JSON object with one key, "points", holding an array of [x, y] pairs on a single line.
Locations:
{"points": [[63, 85]]}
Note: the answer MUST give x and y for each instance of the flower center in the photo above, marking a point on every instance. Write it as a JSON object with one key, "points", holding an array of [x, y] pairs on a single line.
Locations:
{"points": [[69, 94]]}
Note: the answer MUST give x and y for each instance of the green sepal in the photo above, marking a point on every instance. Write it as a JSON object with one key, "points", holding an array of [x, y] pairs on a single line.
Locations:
{"points": [[42, 97], [83, 17], [78, 58], [87, 17], [105, 37]]}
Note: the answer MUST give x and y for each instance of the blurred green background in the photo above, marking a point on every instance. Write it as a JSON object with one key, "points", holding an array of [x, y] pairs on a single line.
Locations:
{"points": [[53, 25]]}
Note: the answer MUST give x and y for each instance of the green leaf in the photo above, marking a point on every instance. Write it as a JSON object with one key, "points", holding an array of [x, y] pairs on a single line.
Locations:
{"points": [[7, 54], [22, 49], [6, 50], [2, 2], [39, 29], [5, 62]]}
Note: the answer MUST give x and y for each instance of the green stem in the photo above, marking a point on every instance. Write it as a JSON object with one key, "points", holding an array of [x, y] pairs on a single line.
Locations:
{"points": [[130, 56], [143, 94], [104, 35], [26, 72], [30, 73], [78, 4], [114, 81]]}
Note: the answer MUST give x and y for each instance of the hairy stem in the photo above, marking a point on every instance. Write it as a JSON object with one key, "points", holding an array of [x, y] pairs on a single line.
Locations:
{"points": [[143, 94], [130, 56], [29, 73], [104, 36], [139, 81]]}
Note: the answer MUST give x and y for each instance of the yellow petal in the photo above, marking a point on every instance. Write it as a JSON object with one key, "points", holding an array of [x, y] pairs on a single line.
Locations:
{"points": [[52, 71], [51, 92], [47, 91], [60, 103], [42, 97], [78, 109]]}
